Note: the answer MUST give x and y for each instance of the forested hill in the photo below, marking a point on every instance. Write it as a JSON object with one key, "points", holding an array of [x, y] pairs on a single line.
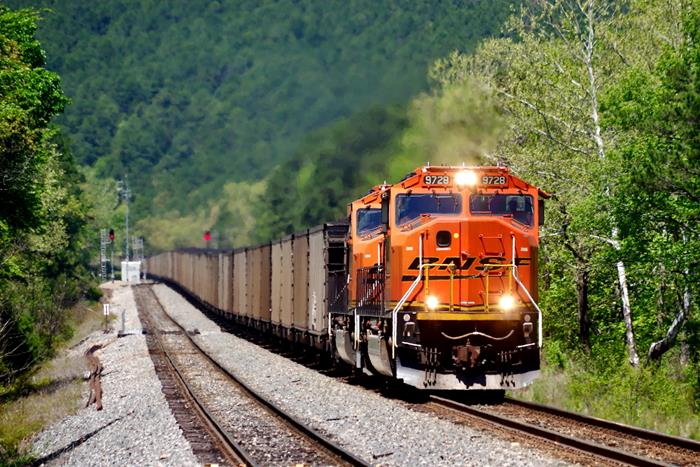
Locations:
{"points": [[186, 95]]}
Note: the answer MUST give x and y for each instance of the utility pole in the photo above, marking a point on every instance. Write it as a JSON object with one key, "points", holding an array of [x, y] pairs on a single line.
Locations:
{"points": [[111, 251], [111, 259], [137, 248], [125, 194], [103, 254]]}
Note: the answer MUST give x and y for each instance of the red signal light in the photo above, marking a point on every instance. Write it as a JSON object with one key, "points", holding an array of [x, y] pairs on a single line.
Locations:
{"points": [[111, 235], [207, 236]]}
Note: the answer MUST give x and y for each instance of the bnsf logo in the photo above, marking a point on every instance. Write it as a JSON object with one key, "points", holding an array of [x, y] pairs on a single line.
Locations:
{"points": [[468, 262]]}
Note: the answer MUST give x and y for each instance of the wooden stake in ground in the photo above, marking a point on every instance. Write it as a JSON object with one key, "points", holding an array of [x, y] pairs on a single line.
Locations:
{"points": [[95, 375]]}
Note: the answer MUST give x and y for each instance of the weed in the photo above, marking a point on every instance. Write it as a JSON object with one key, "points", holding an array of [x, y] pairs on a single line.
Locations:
{"points": [[47, 393], [657, 397]]}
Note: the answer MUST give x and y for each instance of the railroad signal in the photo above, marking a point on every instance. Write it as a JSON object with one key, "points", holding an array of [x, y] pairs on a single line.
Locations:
{"points": [[207, 235], [111, 235]]}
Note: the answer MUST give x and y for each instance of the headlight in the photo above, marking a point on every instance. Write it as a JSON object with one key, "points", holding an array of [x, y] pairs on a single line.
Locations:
{"points": [[431, 302], [465, 178], [507, 302]]}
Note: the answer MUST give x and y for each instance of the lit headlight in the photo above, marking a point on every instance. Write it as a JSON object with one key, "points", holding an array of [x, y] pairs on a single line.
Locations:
{"points": [[465, 178], [431, 302], [507, 302]]}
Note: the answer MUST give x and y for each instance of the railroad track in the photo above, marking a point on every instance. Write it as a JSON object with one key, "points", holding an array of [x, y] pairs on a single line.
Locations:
{"points": [[608, 441], [255, 430], [209, 443], [589, 440]]}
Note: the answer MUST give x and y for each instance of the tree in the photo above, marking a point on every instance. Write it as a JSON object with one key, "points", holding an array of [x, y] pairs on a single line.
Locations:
{"points": [[658, 112], [229, 90], [42, 254], [550, 74]]}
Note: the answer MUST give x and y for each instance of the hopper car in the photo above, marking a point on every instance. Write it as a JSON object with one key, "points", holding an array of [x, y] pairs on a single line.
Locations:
{"points": [[431, 281]]}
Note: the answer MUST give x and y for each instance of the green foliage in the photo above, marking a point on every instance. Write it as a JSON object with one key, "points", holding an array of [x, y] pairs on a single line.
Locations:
{"points": [[336, 165], [24, 112], [185, 97], [43, 259], [656, 112], [12, 458], [331, 168], [610, 128], [657, 397]]}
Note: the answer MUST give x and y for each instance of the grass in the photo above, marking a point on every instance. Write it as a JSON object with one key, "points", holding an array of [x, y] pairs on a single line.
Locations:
{"points": [[20, 418], [50, 393], [85, 319], [659, 397]]}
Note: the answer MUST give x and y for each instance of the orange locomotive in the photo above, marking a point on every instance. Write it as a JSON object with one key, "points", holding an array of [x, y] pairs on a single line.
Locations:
{"points": [[442, 280]]}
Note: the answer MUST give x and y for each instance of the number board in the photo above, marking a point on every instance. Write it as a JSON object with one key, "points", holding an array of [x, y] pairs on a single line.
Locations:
{"points": [[494, 180], [436, 180]]}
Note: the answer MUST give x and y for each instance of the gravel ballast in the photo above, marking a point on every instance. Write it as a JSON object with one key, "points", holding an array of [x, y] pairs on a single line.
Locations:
{"points": [[380, 430], [135, 426]]}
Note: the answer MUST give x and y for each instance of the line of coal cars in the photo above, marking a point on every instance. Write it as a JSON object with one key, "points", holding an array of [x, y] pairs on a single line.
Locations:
{"points": [[283, 287]]}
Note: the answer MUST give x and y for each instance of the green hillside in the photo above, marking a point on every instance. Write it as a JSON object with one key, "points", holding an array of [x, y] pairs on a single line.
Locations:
{"points": [[185, 96]]}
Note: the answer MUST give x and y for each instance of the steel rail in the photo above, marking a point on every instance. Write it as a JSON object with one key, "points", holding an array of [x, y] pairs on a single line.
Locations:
{"points": [[309, 432], [231, 447], [586, 446], [650, 435], [211, 420]]}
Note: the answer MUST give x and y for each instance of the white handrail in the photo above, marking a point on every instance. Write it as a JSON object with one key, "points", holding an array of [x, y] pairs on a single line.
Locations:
{"points": [[395, 311], [539, 312]]}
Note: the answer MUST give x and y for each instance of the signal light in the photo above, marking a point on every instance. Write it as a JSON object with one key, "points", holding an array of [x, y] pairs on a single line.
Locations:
{"points": [[207, 235], [111, 235]]}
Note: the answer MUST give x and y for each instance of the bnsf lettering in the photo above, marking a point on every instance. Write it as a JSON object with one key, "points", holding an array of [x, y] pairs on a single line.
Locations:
{"points": [[486, 260]]}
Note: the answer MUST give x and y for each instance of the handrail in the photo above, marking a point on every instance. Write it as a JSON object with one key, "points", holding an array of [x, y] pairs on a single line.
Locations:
{"points": [[451, 267], [419, 277], [395, 311], [486, 275], [527, 292]]}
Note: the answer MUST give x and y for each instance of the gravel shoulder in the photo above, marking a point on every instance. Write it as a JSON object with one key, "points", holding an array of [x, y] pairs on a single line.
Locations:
{"points": [[378, 429], [136, 426]]}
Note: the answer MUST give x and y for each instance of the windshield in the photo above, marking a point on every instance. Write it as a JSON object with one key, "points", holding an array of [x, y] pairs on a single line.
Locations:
{"points": [[410, 207], [368, 220], [518, 206]]}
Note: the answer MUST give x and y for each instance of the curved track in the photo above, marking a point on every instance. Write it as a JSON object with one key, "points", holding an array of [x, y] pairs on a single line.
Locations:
{"points": [[609, 441], [270, 438]]}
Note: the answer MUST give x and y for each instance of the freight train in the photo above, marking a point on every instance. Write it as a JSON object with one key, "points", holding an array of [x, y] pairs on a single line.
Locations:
{"points": [[431, 281]]}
